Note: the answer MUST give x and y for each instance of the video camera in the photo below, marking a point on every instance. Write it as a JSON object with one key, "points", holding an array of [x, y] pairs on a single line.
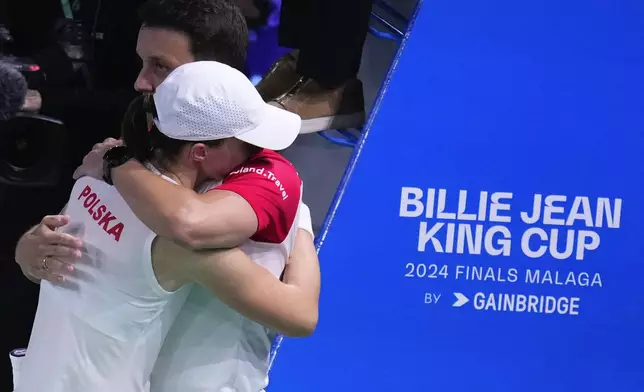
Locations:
{"points": [[30, 143]]}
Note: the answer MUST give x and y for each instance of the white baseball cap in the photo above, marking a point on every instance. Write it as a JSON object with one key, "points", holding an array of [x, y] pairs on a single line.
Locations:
{"points": [[207, 100]]}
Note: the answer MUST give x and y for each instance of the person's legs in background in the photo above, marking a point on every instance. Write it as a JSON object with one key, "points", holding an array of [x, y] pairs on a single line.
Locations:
{"points": [[319, 80], [256, 12]]}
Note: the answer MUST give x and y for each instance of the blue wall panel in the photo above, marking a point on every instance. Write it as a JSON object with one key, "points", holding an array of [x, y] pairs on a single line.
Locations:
{"points": [[492, 105]]}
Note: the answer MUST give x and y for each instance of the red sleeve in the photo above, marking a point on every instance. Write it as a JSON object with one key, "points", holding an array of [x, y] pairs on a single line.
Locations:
{"points": [[272, 187]]}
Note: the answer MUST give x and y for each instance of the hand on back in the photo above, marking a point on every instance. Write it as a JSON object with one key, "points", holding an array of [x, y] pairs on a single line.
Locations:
{"points": [[45, 253], [92, 165]]}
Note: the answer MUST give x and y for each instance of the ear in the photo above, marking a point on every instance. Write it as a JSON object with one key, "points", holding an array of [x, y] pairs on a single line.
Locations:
{"points": [[198, 152]]}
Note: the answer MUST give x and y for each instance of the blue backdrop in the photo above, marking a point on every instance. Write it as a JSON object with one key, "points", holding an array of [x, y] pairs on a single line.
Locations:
{"points": [[438, 274]]}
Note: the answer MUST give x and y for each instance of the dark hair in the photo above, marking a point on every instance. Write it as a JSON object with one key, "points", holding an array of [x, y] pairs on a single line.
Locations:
{"points": [[216, 28], [134, 129], [143, 138]]}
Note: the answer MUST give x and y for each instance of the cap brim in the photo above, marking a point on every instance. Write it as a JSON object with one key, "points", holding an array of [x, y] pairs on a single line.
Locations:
{"points": [[277, 131]]}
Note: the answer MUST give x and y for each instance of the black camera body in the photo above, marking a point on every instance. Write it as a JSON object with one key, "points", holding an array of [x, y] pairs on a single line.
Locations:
{"points": [[30, 143], [31, 151]]}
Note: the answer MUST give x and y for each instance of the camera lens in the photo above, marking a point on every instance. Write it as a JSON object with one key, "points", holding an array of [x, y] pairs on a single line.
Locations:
{"points": [[23, 150]]}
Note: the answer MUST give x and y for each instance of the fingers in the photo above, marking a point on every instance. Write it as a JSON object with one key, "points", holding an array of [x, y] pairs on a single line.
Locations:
{"points": [[112, 141], [51, 243], [45, 243], [49, 236], [54, 273], [55, 221], [107, 143], [53, 278], [92, 165], [56, 267], [60, 252], [61, 239]]}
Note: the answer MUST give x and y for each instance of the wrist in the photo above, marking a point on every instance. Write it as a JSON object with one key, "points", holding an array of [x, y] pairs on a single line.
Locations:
{"points": [[113, 158]]}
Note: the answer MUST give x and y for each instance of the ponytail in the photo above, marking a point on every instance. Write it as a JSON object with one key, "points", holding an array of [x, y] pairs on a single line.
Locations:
{"points": [[135, 132]]}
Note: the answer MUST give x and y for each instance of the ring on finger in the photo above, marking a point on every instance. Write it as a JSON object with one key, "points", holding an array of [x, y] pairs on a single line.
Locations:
{"points": [[44, 264]]}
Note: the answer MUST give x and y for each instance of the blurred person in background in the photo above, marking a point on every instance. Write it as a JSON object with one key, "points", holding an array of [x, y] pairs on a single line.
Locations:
{"points": [[86, 78], [90, 112], [85, 49], [318, 80]]}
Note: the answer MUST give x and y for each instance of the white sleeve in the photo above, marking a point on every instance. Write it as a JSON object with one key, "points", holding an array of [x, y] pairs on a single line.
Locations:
{"points": [[304, 220]]}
